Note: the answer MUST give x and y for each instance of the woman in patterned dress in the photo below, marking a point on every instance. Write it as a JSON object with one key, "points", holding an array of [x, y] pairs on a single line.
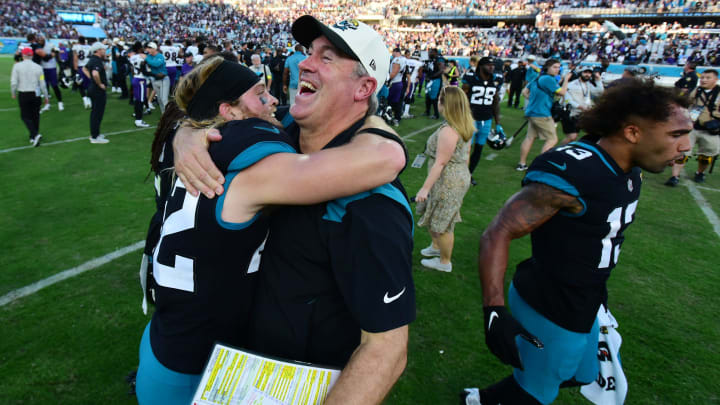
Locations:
{"points": [[440, 198]]}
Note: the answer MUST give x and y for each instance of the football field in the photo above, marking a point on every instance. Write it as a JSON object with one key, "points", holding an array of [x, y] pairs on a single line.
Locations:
{"points": [[69, 203]]}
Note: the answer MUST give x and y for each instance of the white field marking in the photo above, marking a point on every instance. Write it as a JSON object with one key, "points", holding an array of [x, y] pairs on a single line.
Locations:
{"points": [[85, 138], [411, 134], [63, 275], [491, 156], [704, 206], [8, 109], [708, 188]]}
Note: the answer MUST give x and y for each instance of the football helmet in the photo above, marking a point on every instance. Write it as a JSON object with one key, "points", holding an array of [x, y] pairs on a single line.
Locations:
{"points": [[496, 140]]}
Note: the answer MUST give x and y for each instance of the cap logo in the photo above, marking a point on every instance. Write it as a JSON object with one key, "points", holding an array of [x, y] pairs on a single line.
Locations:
{"points": [[347, 24], [373, 65]]}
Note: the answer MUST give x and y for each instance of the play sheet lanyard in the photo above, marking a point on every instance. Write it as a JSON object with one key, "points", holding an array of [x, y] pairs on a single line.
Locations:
{"points": [[236, 377]]}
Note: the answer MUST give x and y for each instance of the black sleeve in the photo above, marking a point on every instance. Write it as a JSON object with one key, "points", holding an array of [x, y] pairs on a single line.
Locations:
{"points": [[246, 142], [372, 262]]}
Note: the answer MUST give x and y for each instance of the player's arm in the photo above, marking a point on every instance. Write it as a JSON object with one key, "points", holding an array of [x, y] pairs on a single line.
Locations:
{"points": [[394, 71], [291, 178], [496, 106], [525, 211], [440, 71], [563, 88], [373, 369], [369, 157], [75, 61]]}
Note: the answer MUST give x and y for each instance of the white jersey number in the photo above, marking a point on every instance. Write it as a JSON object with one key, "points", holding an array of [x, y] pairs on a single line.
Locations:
{"points": [[180, 276], [482, 95], [610, 248]]}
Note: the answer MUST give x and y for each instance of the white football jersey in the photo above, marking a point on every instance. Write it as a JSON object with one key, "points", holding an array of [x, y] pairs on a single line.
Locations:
{"points": [[400, 60], [171, 55], [136, 61], [412, 66], [83, 54]]}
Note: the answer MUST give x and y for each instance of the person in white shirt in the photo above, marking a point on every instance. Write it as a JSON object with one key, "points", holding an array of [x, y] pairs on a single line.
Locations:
{"points": [[395, 85], [171, 53], [263, 71], [579, 97], [25, 79], [49, 65], [412, 71], [81, 55]]}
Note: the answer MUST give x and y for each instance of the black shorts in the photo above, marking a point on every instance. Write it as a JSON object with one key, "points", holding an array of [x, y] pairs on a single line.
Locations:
{"points": [[569, 124]]}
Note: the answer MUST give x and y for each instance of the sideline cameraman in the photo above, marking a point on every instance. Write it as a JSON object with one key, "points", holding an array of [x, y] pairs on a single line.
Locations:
{"points": [[540, 94], [705, 113], [580, 95]]}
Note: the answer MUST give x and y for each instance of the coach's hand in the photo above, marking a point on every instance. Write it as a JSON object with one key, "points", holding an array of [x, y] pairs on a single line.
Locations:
{"points": [[500, 331], [193, 163]]}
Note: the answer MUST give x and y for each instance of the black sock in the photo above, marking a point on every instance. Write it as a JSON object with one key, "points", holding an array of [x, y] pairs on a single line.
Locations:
{"points": [[506, 391]]}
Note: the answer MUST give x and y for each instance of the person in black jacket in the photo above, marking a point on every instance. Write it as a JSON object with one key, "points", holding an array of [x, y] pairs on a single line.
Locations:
{"points": [[689, 79], [516, 78], [277, 64]]}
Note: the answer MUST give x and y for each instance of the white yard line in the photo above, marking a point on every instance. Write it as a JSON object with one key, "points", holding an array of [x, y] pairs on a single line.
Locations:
{"points": [[84, 138], [419, 131], [708, 188], [64, 275], [704, 206], [8, 109], [491, 156]]}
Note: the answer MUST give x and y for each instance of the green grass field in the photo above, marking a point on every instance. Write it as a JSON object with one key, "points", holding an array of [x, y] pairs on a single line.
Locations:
{"points": [[74, 342]]}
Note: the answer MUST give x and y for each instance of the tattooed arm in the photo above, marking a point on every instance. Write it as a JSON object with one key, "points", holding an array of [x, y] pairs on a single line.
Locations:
{"points": [[525, 211]]}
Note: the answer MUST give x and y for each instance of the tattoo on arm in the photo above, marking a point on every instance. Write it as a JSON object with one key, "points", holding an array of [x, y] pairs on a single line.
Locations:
{"points": [[534, 205]]}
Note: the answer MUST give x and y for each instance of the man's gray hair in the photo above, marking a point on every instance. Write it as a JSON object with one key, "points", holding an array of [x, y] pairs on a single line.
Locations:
{"points": [[359, 72]]}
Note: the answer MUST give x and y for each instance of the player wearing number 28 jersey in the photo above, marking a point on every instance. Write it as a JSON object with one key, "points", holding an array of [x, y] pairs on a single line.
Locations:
{"points": [[576, 202]]}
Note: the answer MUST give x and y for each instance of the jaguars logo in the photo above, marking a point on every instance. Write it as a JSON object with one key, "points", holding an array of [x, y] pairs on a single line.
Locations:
{"points": [[347, 24]]}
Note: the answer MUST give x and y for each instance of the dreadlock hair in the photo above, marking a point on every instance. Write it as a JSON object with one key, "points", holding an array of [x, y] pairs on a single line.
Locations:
{"points": [[633, 98], [169, 123]]}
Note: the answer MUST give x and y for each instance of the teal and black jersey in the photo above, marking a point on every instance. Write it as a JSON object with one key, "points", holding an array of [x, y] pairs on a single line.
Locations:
{"points": [[573, 254], [333, 269], [482, 94], [204, 267]]}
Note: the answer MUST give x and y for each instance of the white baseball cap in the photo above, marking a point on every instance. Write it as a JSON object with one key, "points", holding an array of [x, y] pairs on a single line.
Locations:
{"points": [[151, 45], [354, 38], [97, 46]]}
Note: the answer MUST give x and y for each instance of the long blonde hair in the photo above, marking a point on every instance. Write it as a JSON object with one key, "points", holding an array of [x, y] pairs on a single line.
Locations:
{"points": [[189, 85], [456, 110]]}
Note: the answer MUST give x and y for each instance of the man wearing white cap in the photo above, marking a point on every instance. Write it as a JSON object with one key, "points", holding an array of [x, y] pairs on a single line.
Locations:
{"points": [[158, 69], [335, 285]]}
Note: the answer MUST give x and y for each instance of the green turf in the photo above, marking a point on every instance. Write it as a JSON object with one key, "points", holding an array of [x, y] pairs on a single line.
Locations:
{"points": [[73, 342]]}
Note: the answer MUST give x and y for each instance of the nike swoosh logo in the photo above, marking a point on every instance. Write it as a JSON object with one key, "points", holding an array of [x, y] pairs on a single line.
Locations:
{"points": [[273, 130], [388, 300], [561, 167], [493, 315]]}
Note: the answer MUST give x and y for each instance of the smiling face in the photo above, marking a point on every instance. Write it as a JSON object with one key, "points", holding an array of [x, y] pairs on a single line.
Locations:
{"points": [[659, 144], [328, 85]]}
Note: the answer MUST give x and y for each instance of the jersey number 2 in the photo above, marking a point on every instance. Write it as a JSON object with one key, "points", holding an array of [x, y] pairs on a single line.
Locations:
{"points": [[482, 95], [616, 219]]}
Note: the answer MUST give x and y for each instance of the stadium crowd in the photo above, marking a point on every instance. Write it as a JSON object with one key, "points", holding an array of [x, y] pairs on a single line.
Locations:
{"points": [[268, 25]]}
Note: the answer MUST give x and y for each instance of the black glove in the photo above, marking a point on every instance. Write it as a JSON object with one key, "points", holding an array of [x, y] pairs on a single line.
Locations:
{"points": [[500, 331]]}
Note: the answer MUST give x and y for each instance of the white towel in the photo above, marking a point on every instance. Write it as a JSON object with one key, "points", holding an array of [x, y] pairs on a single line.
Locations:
{"points": [[611, 386]]}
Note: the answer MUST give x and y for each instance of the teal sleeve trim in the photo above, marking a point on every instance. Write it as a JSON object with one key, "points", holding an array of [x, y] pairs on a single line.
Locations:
{"points": [[597, 152], [245, 159], [287, 120], [337, 209], [559, 183], [257, 152], [233, 226]]}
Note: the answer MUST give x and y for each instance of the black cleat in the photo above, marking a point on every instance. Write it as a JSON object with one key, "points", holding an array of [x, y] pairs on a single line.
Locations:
{"points": [[699, 177], [672, 181]]}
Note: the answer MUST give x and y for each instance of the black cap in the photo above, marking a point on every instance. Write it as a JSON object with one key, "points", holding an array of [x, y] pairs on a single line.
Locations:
{"points": [[486, 60]]}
